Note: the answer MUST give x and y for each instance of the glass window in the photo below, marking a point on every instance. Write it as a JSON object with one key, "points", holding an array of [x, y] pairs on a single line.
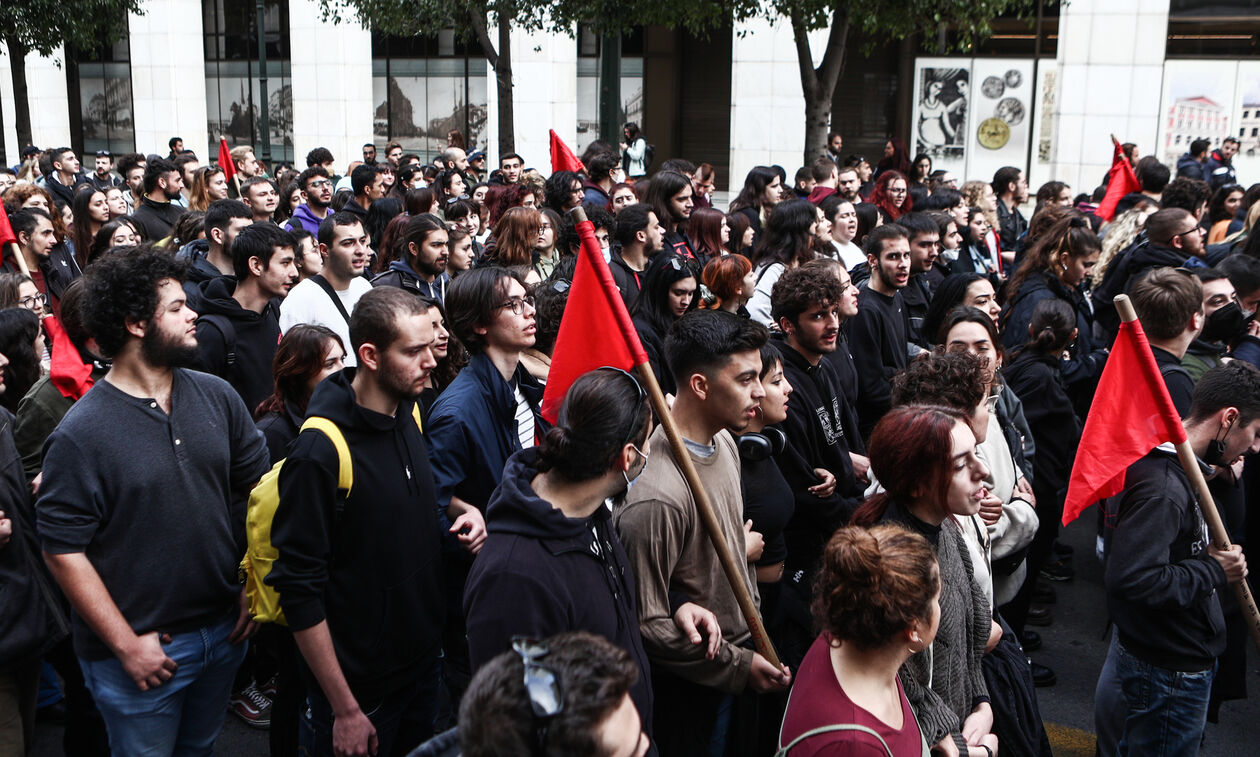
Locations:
{"points": [[233, 97], [423, 88], [588, 84], [104, 93]]}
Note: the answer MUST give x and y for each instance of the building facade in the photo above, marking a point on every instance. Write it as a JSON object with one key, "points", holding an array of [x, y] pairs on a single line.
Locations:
{"points": [[1043, 95]]}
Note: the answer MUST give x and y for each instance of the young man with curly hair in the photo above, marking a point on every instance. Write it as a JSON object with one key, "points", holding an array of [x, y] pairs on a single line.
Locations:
{"points": [[145, 537]]}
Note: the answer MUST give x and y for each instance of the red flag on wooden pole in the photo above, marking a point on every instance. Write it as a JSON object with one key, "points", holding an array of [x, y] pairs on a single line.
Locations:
{"points": [[562, 158], [225, 160], [1121, 181]]}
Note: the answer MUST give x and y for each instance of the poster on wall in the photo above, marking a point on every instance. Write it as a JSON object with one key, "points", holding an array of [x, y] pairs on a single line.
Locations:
{"points": [[1002, 115], [942, 115], [1198, 103], [1046, 109]]}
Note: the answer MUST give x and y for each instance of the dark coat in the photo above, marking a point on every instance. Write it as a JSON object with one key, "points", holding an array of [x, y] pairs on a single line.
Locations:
{"points": [[1087, 358]]}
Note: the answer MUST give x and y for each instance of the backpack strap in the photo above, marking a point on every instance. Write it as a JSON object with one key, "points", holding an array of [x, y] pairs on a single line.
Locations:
{"points": [[224, 326], [345, 466], [332, 295], [830, 729]]}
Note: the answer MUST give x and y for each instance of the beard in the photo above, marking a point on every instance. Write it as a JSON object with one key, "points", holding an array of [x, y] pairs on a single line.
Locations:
{"points": [[163, 351]]}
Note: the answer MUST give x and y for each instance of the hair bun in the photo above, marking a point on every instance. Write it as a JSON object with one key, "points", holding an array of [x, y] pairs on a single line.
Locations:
{"points": [[1078, 222]]}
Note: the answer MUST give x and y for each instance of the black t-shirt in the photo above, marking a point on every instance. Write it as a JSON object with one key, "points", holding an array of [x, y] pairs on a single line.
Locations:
{"points": [[161, 515], [768, 504]]}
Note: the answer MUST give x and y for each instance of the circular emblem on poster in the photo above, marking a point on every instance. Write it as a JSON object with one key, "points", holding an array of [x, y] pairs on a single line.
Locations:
{"points": [[1010, 110], [993, 87], [993, 133]]}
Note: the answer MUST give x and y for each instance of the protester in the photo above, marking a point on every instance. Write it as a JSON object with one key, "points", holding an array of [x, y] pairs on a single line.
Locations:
{"points": [[879, 331], [671, 196], [1163, 578], [786, 243], [376, 662], [1010, 186], [640, 237], [90, 214], [1169, 304], [157, 213], [328, 298], [877, 603], [421, 268], [316, 186], [891, 196], [669, 293], [947, 689], [731, 281], [715, 361], [52, 265], [1219, 168], [160, 644], [762, 190]]}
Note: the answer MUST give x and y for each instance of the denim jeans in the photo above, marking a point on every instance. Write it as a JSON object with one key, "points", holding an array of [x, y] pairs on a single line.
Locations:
{"points": [[182, 716], [1165, 710], [403, 719]]}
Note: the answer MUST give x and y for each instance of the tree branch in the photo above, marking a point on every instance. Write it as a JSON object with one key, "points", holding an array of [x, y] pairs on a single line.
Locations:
{"points": [[837, 42], [804, 58], [477, 19]]}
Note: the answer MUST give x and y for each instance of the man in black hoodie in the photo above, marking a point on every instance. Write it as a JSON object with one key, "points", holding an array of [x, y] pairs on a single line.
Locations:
{"points": [[158, 213], [1163, 577], [552, 561], [879, 332], [239, 326], [210, 258], [359, 574]]}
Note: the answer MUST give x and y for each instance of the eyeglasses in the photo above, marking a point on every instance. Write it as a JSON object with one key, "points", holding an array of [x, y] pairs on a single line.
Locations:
{"points": [[33, 301], [318, 184], [546, 699], [1190, 230], [517, 304]]}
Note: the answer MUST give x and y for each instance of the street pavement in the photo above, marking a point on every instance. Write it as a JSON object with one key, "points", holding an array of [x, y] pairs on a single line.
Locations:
{"points": [[1073, 647]]}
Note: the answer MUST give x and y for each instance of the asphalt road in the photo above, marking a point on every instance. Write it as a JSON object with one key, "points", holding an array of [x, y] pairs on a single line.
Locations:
{"points": [[1073, 647]]}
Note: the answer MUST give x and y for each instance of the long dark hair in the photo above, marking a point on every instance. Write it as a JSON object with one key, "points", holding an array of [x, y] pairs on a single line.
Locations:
{"points": [[705, 230], [898, 161], [949, 294], [662, 188], [603, 411], [786, 238], [379, 215], [18, 329], [1071, 234], [1216, 206], [101, 243], [418, 201], [389, 249], [754, 188], [299, 357], [1052, 323], [82, 230], [558, 187], [665, 270]]}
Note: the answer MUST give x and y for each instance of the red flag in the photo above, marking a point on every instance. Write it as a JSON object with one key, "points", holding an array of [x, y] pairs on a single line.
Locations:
{"points": [[596, 329], [68, 372], [1120, 182], [6, 229], [225, 160], [563, 159], [1131, 415]]}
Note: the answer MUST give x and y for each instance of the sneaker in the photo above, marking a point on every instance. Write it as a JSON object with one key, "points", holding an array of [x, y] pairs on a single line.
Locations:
{"points": [[1030, 641], [268, 689], [251, 706]]}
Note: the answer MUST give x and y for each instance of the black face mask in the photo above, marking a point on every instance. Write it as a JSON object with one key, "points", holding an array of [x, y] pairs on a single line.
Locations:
{"points": [[1224, 325], [1216, 448]]}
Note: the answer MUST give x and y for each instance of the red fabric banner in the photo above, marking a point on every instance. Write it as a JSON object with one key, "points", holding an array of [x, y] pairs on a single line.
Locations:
{"points": [[1121, 182], [562, 158]]}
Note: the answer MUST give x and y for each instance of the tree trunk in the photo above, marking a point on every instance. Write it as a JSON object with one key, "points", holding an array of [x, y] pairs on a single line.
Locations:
{"points": [[819, 84], [21, 101], [503, 75]]}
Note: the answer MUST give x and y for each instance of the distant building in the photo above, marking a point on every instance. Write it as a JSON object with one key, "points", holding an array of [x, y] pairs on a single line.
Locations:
{"points": [[1191, 118], [1249, 128]]}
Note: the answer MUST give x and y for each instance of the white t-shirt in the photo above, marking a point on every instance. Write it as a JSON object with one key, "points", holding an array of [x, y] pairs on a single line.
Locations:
{"points": [[524, 419], [309, 303], [849, 254]]}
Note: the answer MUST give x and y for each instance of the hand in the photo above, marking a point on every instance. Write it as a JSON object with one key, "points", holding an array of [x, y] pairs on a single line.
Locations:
{"points": [[6, 529], [35, 482], [861, 467], [353, 734], [691, 618], [978, 724], [754, 543], [764, 677], [946, 747], [1025, 491], [623, 146], [245, 626], [1253, 328], [990, 509], [828, 485], [1236, 468], [470, 529], [146, 662], [990, 740], [1233, 562]]}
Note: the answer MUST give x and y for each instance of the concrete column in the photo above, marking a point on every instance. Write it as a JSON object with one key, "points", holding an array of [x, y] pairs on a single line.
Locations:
{"points": [[544, 77], [1111, 67], [168, 76], [331, 74]]}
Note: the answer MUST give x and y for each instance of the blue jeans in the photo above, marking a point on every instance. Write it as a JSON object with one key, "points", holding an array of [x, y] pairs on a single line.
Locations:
{"points": [[1166, 710], [403, 719], [182, 716]]}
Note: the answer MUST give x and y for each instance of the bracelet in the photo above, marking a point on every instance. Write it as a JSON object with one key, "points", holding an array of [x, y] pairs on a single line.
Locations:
{"points": [[987, 750]]}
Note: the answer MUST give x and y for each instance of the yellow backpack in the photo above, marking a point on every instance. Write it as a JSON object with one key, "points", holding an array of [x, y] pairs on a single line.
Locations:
{"points": [[260, 556]]}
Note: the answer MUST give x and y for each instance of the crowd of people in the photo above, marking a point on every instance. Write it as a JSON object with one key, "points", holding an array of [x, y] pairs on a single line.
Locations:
{"points": [[274, 446]]}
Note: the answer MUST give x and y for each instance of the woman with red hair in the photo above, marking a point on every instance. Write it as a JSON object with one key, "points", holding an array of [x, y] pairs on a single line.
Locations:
{"points": [[892, 195], [709, 234], [731, 281]]}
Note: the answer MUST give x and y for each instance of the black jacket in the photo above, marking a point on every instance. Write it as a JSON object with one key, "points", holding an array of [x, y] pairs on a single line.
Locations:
{"points": [[400, 275], [653, 342], [917, 296], [1219, 171], [236, 344], [199, 273], [1087, 358], [1191, 168], [280, 428], [879, 337], [59, 269], [1161, 582], [369, 564], [816, 439], [1055, 428], [156, 219], [629, 281], [1011, 225], [540, 573], [1123, 272]]}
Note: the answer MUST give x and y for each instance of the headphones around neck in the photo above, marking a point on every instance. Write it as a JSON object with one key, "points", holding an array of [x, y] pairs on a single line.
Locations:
{"points": [[758, 446]]}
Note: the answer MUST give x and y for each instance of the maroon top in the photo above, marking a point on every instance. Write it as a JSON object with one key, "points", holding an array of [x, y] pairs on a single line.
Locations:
{"points": [[818, 700]]}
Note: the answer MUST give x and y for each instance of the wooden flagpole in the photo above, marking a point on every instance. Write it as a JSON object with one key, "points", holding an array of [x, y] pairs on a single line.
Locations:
{"points": [[1207, 505]]}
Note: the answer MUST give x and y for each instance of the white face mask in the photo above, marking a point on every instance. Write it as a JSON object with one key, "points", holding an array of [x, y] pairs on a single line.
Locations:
{"points": [[626, 476]]}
